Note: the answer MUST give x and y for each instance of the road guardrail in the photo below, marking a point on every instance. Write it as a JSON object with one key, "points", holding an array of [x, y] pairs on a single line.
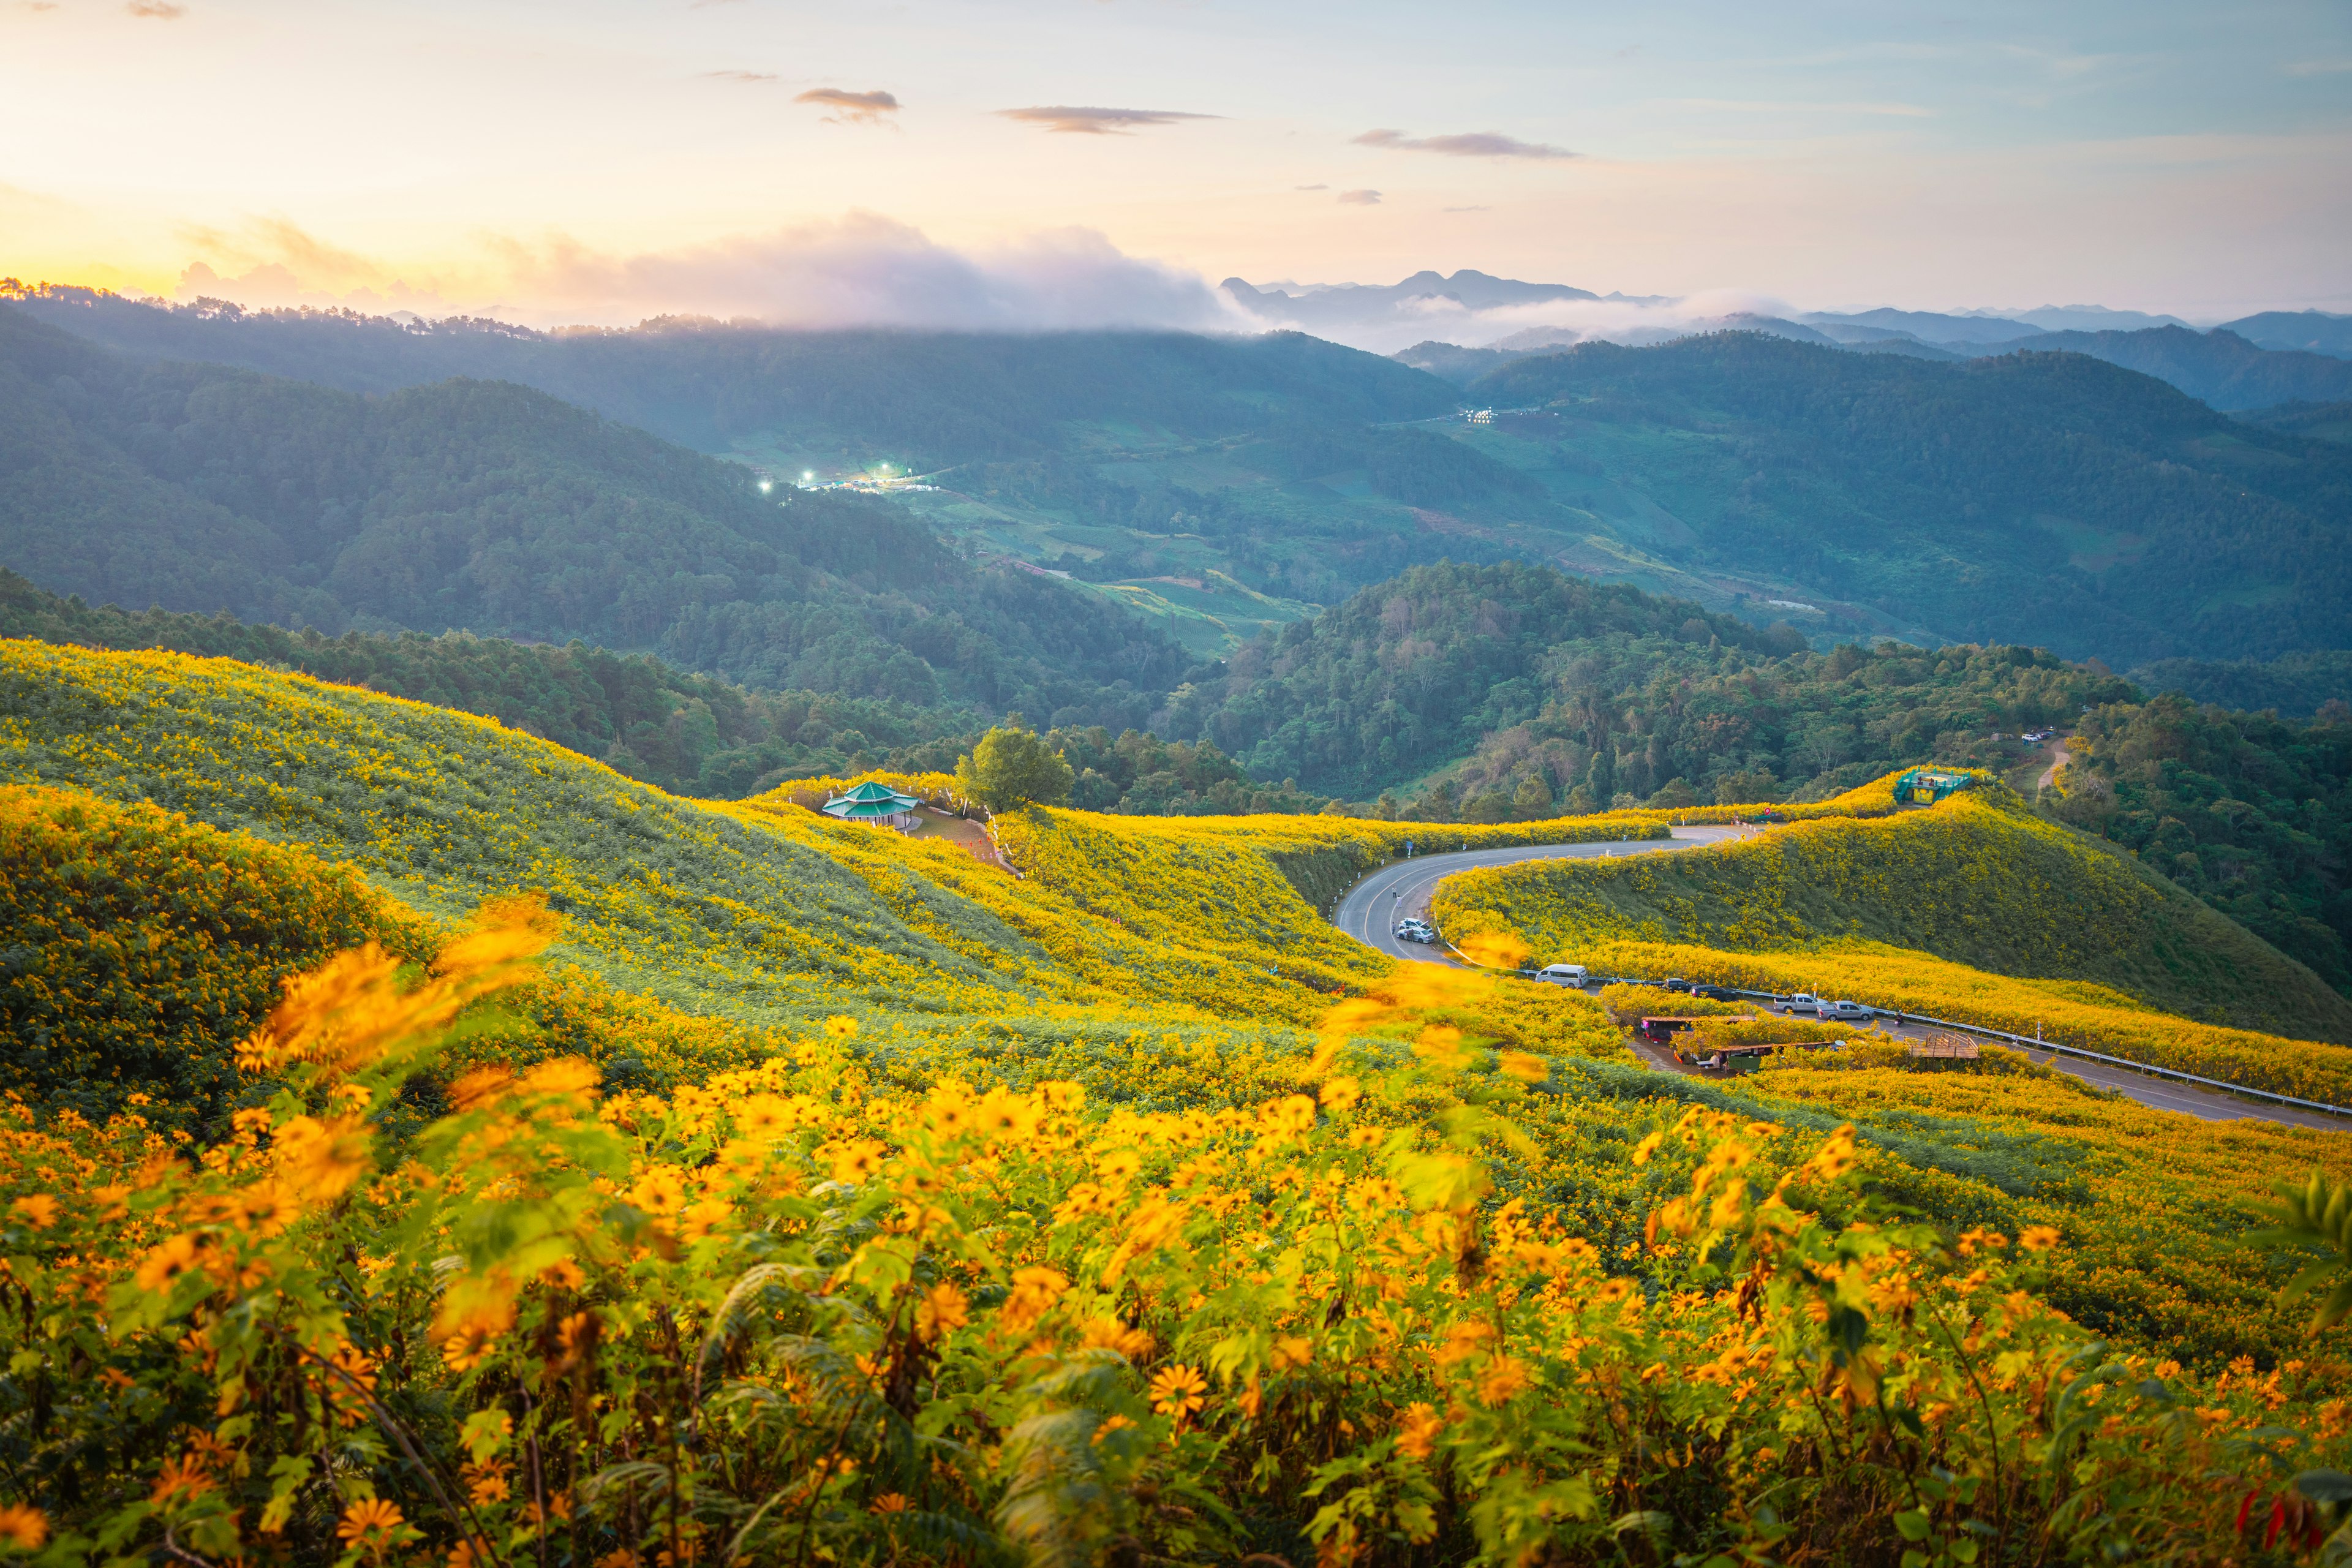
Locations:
{"points": [[1902, 1017]]}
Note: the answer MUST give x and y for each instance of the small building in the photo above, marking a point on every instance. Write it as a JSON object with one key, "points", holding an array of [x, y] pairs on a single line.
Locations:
{"points": [[875, 802], [1926, 786]]}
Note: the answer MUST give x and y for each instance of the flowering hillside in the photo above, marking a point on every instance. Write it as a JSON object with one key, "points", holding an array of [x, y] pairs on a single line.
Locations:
{"points": [[1977, 879], [834, 1197]]}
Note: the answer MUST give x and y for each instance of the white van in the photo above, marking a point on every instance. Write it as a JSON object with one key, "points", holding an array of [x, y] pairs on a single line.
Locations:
{"points": [[1563, 974]]}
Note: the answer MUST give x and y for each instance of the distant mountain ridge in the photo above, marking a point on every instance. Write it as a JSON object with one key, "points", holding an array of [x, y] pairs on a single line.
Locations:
{"points": [[495, 508]]}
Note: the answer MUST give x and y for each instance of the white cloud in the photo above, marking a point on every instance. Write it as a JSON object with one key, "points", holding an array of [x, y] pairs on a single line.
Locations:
{"points": [[860, 270]]}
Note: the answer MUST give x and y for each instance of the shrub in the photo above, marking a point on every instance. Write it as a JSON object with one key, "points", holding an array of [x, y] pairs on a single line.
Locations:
{"points": [[142, 947]]}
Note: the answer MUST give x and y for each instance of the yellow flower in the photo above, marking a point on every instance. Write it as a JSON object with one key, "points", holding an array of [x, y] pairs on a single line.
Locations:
{"points": [[1035, 1291], [183, 1478], [1504, 1377], [371, 1523], [892, 1502], [1006, 1118], [1178, 1391], [41, 1210], [943, 1311], [1110, 1334], [2038, 1238], [163, 1267], [1340, 1094], [703, 1219], [764, 1115], [1417, 1437], [323, 1158], [486, 1483], [1525, 1066], [840, 1026], [857, 1160], [659, 1191], [264, 1208], [23, 1528]]}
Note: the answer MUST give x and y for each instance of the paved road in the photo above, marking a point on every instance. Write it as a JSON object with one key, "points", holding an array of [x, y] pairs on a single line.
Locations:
{"points": [[1372, 907]]}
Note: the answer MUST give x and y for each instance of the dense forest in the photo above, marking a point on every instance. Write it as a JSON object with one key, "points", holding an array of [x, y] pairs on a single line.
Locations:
{"points": [[494, 508], [2251, 812], [2039, 497], [2219, 367], [1607, 691], [2296, 684]]}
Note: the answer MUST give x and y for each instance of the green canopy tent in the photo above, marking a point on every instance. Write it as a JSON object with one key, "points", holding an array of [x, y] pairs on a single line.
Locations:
{"points": [[872, 801], [1926, 786]]}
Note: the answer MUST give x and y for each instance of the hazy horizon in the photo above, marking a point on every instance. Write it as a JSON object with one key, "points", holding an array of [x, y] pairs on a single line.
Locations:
{"points": [[988, 163]]}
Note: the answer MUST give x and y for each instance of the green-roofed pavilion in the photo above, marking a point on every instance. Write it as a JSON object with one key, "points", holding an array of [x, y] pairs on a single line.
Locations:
{"points": [[873, 802]]}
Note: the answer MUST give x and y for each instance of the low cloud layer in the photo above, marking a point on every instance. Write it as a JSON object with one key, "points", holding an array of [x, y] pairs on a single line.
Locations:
{"points": [[862, 270], [851, 108], [1466, 144], [1098, 121], [1430, 309], [1361, 198]]}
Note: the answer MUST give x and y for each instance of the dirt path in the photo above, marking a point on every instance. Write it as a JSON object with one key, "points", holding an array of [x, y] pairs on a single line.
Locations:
{"points": [[2058, 759]]}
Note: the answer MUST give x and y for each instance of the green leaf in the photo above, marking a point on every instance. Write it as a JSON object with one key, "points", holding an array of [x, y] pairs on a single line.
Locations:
{"points": [[2325, 1486], [1912, 1524]]}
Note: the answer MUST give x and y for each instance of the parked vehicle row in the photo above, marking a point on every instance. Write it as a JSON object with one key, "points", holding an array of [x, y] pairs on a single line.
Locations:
{"points": [[1801, 1004], [1413, 928]]}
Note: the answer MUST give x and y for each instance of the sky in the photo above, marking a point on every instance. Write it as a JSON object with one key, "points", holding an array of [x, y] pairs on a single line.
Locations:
{"points": [[1076, 162]]}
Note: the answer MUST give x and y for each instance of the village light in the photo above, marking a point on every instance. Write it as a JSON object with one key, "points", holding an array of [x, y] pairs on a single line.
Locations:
{"points": [[765, 486], [807, 475]]}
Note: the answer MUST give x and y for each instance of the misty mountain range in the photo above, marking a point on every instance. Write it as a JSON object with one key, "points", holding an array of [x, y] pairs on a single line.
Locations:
{"points": [[2256, 362]]}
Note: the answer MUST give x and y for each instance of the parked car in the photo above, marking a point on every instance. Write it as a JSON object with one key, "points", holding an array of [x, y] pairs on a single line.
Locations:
{"points": [[1714, 994], [1410, 930], [1676, 983], [1803, 1002], [1564, 975], [1847, 1012]]}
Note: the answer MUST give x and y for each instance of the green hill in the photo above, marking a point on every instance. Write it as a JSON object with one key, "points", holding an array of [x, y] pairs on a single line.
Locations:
{"points": [[2032, 498], [2251, 812], [494, 508], [1979, 881]]}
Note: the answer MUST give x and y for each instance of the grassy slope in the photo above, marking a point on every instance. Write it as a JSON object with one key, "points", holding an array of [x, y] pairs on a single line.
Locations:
{"points": [[1980, 881], [761, 912], [444, 808]]}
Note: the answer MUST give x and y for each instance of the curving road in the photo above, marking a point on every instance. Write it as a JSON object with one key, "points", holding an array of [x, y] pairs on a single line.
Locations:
{"points": [[1370, 910], [1372, 907]]}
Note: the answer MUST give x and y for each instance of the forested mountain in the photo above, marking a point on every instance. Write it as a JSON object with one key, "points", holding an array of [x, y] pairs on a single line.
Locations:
{"points": [[491, 506], [1554, 685], [2034, 498], [1229, 485], [2216, 367], [929, 398], [2297, 685], [2252, 813]]}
